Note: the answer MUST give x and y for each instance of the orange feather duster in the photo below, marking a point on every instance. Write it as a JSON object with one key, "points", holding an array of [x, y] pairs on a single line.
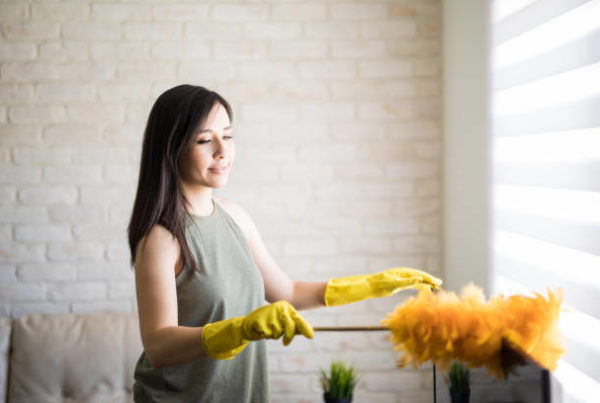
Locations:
{"points": [[498, 334]]}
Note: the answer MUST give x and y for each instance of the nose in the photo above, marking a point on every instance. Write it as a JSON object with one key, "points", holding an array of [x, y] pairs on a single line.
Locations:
{"points": [[220, 150]]}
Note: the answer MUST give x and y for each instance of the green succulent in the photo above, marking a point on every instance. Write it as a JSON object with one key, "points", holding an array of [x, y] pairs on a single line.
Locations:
{"points": [[340, 381], [459, 378]]}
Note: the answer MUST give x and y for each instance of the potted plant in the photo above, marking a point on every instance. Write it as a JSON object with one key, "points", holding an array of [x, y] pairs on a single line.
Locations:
{"points": [[338, 384], [459, 380]]}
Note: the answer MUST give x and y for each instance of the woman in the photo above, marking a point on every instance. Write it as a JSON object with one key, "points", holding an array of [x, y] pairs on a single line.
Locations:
{"points": [[202, 271]]}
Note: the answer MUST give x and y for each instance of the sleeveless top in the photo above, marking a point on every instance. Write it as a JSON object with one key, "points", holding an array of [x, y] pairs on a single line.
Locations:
{"points": [[228, 284]]}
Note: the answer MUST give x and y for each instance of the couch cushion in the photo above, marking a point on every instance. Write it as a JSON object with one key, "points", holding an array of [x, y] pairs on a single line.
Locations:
{"points": [[70, 357], [5, 323]]}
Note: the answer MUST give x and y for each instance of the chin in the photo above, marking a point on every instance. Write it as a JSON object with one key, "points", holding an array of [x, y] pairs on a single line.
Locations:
{"points": [[219, 184]]}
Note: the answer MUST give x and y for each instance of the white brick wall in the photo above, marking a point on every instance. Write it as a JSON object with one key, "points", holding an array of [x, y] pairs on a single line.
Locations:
{"points": [[337, 105]]}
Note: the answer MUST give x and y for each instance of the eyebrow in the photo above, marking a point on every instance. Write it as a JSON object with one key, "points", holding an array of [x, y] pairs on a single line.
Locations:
{"points": [[209, 130]]}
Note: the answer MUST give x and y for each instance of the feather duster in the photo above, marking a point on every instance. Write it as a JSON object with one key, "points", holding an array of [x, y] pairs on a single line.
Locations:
{"points": [[498, 334]]}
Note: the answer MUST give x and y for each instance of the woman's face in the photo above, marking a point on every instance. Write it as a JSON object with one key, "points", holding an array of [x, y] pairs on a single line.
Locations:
{"points": [[208, 159]]}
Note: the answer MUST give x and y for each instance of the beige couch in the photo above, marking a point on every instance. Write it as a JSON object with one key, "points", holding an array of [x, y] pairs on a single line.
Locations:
{"points": [[68, 357], [91, 358]]}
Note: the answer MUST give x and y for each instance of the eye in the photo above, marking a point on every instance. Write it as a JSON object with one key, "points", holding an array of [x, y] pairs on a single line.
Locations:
{"points": [[202, 141], [228, 137]]}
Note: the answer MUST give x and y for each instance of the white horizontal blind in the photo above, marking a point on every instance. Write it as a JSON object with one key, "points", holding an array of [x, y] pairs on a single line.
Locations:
{"points": [[546, 170]]}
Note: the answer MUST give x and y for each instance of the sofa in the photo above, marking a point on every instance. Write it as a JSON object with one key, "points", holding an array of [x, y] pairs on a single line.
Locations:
{"points": [[90, 359], [68, 357]]}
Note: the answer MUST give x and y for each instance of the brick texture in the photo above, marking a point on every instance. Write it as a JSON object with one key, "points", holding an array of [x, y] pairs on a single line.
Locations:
{"points": [[339, 153]]}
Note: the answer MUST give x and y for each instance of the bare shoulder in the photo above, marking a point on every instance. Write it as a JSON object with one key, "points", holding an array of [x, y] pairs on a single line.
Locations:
{"points": [[159, 244], [156, 292], [237, 212]]}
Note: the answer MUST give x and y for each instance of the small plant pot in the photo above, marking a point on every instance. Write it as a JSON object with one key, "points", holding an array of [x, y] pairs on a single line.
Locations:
{"points": [[328, 399], [458, 397]]}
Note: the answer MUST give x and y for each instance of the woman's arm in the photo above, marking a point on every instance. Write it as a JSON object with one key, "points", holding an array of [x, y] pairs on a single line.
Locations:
{"points": [[337, 291], [278, 285], [165, 343]]}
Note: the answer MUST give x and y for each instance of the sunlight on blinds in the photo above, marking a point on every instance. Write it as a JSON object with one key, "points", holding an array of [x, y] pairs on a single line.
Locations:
{"points": [[502, 9], [545, 110], [567, 263], [555, 90], [581, 327], [578, 387], [552, 34], [573, 205], [564, 146]]}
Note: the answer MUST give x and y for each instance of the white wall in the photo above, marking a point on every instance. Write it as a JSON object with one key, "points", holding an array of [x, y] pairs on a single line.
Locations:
{"points": [[337, 106], [466, 144]]}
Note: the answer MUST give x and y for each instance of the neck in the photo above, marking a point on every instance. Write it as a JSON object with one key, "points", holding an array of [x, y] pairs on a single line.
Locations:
{"points": [[199, 199]]}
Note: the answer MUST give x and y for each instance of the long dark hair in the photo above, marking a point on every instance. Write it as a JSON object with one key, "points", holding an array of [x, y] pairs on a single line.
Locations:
{"points": [[174, 120]]}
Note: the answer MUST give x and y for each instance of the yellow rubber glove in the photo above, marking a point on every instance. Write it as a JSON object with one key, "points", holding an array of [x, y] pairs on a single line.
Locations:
{"points": [[345, 290], [227, 338]]}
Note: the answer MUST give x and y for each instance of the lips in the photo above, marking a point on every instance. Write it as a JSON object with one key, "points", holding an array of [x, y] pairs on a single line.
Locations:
{"points": [[218, 170]]}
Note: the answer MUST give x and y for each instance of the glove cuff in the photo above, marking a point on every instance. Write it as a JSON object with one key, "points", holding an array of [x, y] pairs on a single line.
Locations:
{"points": [[341, 291], [223, 340]]}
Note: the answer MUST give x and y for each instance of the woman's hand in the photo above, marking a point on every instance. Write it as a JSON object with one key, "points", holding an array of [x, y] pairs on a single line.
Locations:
{"points": [[345, 290], [225, 339]]}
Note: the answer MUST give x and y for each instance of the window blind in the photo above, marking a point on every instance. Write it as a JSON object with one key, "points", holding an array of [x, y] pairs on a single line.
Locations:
{"points": [[545, 84]]}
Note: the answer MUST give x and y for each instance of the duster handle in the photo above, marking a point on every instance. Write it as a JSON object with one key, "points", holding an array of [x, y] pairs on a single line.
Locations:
{"points": [[349, 328]]}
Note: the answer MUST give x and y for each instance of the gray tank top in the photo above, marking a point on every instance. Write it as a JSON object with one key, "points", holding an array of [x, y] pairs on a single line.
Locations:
{"points": [[228, 284]]}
